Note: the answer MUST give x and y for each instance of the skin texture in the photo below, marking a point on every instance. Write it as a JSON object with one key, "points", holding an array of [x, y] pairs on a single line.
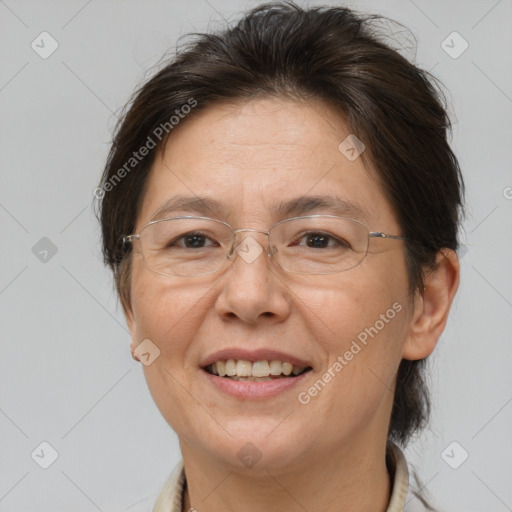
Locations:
{"points": [[323, 456]]}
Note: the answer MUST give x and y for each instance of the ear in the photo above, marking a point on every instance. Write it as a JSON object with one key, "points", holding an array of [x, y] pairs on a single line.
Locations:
{"points": [[132, 326], [124, 288], [431, 308]]}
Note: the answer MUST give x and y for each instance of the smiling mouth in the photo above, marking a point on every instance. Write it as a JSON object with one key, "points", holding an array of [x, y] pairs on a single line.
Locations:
{"points": [[257, 371]]}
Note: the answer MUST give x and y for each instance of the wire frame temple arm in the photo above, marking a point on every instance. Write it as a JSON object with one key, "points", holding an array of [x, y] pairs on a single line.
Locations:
{"points": [[377, 234], [130, 238]]}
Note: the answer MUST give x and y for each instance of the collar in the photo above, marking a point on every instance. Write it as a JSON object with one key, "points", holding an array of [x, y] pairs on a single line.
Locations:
{"points": [[402, 500], [400, 472]]}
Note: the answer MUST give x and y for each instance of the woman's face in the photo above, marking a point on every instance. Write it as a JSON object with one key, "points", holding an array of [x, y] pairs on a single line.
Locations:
{"points": [[350, 328]]}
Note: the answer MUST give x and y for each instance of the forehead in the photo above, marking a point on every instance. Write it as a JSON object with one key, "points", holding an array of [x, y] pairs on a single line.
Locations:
{"points": [[258, 159]]}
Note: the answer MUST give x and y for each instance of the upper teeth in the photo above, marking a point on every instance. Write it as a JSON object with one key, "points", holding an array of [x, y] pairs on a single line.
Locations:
{"points": [[244, 368]]}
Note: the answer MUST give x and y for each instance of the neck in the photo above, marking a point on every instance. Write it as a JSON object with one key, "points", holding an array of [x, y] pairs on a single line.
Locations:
{"points": [[348, 479]]}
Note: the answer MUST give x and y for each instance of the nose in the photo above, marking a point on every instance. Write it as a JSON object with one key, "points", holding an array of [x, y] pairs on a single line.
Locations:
{"points": [[252, 289]]}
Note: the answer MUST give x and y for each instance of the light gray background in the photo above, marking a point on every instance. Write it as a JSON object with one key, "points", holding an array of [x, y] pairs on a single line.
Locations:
{"points": [[67, 376]]}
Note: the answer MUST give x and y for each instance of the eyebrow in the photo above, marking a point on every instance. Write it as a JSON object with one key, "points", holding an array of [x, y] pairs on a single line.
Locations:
{"points": [[295, 207]]}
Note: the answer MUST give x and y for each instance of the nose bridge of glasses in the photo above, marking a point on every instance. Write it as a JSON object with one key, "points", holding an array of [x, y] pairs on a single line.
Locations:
{"points": [[236, 231], [240, 242]]}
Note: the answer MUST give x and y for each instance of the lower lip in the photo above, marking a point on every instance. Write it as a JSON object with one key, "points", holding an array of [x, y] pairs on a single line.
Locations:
{"points": [[254, 390]]}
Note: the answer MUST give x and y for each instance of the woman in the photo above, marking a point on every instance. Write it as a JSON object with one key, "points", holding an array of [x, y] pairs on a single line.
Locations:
{"points": [[280, 211]]}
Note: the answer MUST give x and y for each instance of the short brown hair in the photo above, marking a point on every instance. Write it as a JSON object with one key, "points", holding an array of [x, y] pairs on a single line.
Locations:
{"points": [[328, 53]]}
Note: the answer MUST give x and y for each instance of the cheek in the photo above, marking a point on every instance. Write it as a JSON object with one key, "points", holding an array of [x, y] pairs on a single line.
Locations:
{"points": [[347, 304], [363, 356], [360, 322], [168, 311]]}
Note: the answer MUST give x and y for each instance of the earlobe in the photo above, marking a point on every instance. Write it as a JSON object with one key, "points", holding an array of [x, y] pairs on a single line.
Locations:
{"points": [[134, 357], [433, 306]]}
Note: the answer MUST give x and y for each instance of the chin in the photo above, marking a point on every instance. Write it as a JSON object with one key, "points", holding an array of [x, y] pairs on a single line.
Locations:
{"points": [[256, 445]]}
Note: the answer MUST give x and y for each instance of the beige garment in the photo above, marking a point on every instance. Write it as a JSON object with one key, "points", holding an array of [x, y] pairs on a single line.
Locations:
{"points": [[171, 495]]}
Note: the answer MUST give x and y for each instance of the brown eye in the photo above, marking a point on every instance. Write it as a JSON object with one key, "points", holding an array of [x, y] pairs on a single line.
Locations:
{"points": [[319, 240], [191, 241]]}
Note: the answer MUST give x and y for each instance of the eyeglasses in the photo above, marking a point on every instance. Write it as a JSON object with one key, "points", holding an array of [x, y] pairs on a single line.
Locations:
{"points": [[196, 246]]}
